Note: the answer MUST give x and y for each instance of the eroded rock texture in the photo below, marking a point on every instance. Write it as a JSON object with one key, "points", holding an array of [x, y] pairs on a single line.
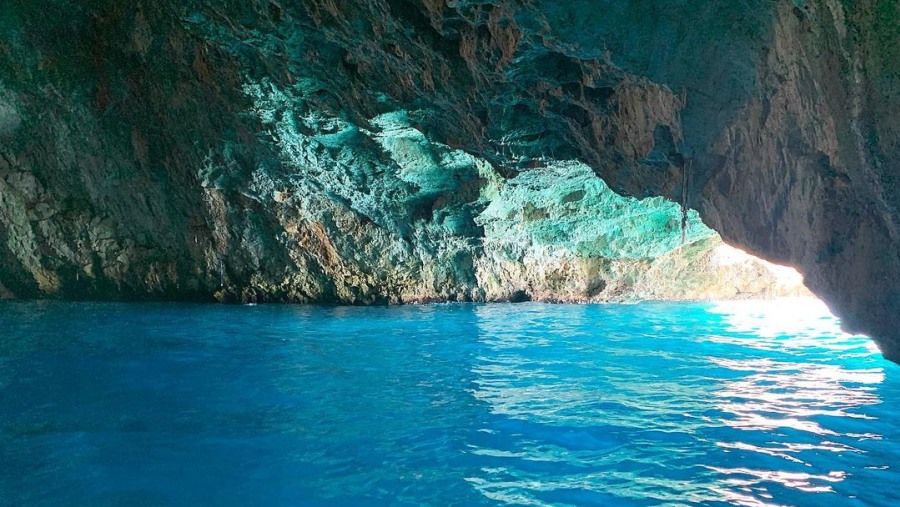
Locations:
{"points": [[377, 150]]}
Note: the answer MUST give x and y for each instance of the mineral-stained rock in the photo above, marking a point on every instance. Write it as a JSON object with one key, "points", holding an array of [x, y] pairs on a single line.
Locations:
{"points": [[558, 233], [412, 150]]}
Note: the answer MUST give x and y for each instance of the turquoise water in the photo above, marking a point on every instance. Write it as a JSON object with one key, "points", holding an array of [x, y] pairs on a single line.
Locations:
{"points": [[654, 404]]}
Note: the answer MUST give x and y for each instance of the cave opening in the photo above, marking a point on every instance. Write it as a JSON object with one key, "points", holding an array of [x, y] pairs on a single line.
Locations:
{"points": [[443, 252]]}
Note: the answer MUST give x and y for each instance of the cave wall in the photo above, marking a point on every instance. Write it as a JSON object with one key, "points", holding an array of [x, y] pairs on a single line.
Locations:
{"points": [[157, 149]]}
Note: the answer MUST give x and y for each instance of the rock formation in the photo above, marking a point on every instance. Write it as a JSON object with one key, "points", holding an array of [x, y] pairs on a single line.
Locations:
{"points": [[407, 150]]}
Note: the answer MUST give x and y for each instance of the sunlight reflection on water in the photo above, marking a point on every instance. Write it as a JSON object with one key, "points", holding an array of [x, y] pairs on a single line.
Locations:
{"points": [[781, 395], [788, 404], [748, 403]]}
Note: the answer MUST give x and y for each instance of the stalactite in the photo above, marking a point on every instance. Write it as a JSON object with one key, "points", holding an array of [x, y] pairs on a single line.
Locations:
{"points": [[685, 178]]}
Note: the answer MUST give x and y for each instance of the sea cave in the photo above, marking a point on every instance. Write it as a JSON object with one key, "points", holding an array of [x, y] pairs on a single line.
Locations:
{"points": [[449, 252]]}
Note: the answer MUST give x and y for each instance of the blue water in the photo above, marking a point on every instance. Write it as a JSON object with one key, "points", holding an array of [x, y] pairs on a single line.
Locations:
{"points": [[654, 404]]}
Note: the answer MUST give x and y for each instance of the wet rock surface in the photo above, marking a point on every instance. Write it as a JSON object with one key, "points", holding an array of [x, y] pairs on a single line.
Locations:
{"points": [[377, 151]]}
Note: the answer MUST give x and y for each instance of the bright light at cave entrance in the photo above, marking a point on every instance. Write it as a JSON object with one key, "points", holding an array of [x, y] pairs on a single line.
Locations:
{"points": [[789, 323], [727, 255]]}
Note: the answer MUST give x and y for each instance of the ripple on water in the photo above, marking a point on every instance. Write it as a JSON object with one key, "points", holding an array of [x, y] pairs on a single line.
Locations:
{"points": [[750, 403]]}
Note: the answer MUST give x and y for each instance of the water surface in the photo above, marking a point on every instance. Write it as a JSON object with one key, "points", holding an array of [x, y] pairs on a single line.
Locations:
{"points": [[654, 404]]}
